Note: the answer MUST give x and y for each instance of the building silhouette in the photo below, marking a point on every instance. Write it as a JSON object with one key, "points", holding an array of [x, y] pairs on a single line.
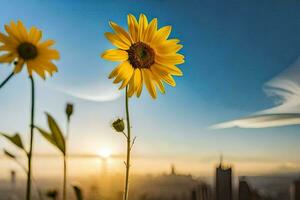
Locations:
{"points": [[201, 192], [295, 190], [245, 192], [223, 182], [171, 186]]}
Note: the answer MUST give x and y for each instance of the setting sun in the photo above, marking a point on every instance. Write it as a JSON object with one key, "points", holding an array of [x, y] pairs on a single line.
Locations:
{"points": [[104, 152]]}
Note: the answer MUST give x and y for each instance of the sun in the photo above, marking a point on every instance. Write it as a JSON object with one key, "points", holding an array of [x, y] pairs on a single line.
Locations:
{"points": [[104, 152]]}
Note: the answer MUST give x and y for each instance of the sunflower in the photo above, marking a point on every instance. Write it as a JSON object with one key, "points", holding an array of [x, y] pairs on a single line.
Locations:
{"points": [[24, 47], [146, 55]]}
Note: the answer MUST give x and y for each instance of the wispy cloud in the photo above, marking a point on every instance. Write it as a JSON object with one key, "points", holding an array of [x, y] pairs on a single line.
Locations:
{"points": [[97, 92], [285, 90], [100, 97]]}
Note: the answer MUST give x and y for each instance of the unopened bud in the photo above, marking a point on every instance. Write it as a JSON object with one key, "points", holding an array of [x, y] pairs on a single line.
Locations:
{"points": [[118, 125], [69, 110]]}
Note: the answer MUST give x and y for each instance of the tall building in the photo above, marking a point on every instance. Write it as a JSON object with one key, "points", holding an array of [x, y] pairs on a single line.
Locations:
{"points": [[295, 190], [223, 182], [201, 192], [245, 192]]}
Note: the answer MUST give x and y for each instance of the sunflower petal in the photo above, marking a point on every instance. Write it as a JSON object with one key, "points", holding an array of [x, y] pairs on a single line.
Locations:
{"points": [[139, 82], [116, 40], [7, 58], [133, 27], [35, 35], [169, 79], [12, 31], [51, 68], [163, 76], [47, 66], [46, 44], [143, 23], [150, 31], [127, 76], [35, 66], [8, 40], [168, 69], [3, 38], [130, 90], [115, 71], [168, 47], [161, 35], [169, 59], [160, 85], [137, 79], [22, 31], [48, 54], [121, 33], [124, 72], [6, 48], [139, 90], [147, 75], [115, 55]]}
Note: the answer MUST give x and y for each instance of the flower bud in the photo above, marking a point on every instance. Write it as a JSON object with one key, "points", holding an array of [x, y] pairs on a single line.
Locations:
{"points": [[118, 125], [69, 110]]}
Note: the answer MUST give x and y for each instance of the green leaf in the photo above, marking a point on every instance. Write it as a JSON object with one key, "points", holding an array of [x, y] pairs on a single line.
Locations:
{"points": [[56, 133], [78, 192], [15, 139], [46, 135], [9, 154]]}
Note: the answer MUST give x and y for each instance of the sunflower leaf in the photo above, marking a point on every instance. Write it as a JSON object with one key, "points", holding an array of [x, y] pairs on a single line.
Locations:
{"points": [[56, 133], [15, 139], [78, 192], [8, 154], [47, 136]]}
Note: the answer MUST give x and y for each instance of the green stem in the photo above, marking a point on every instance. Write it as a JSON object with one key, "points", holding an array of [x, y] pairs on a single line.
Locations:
{"points": [[28, 191], [33, 180], [65, 160], [7, 79], [65, 179], [68, 128], [126, 189]]}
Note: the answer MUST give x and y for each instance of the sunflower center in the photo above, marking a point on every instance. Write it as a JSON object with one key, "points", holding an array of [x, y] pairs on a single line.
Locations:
{"points": [[141, 55], [27, 51]]}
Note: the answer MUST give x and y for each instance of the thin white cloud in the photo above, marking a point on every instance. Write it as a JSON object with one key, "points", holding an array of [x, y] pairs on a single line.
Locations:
{"points": [[101, 97], [97, 93], [262, 121], [285, 90]]}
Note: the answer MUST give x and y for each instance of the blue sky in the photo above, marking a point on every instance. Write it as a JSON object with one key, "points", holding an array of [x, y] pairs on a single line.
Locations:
{"points": [[231, 47]]}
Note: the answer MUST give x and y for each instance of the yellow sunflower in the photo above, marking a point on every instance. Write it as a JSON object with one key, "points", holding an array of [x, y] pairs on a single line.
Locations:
{"points": [[24, 47], [146, 55]]}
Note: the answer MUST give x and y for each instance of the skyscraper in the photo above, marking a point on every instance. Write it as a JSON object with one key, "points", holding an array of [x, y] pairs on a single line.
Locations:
{"points": [[245, 192], [223, 182]]}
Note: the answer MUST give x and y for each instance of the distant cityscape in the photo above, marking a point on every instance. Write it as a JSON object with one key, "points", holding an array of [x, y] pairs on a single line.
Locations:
{"points": [[170, 186], [179, 187]]}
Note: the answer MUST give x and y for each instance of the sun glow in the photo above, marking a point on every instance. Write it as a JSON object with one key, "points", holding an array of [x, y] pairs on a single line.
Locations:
{"points": [[105, 152]]}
